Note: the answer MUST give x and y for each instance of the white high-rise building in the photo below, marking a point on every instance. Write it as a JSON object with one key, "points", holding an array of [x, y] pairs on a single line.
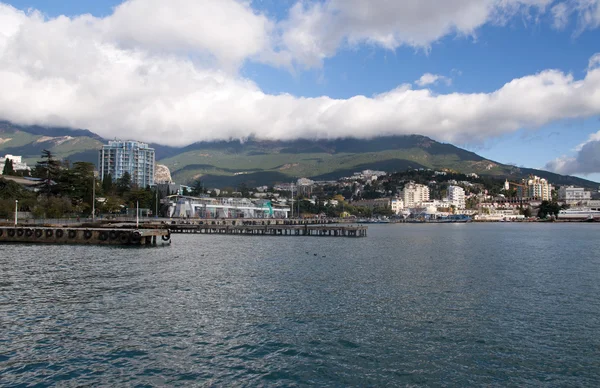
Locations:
{"points": [[456, 196], [535, 188], [119, 157], [414, 194]]}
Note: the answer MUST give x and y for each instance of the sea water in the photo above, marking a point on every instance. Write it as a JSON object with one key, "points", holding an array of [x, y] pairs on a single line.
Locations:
{"points": [[456, 305]]}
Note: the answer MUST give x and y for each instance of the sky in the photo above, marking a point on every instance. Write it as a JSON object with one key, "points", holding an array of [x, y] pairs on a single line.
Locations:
{"points": [[517, 81]]}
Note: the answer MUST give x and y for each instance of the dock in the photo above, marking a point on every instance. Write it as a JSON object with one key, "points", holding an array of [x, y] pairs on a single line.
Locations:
{"points": [[78, 235], [272, 230]]}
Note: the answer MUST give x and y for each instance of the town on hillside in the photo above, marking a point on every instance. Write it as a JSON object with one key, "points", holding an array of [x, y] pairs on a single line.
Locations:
{"points": [[128, 181]]}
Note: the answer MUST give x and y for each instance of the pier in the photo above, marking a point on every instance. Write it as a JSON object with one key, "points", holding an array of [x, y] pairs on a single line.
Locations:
{"points": [[78, 235], [272, 230]]}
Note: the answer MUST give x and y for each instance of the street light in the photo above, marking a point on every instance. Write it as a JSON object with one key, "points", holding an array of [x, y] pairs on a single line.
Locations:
{"points": [[94, 174], [16, 211]]}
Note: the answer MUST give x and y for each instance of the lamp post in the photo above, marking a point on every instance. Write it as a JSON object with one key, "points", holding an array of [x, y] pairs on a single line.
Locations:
{"points": [[16, 212], [93, 196]]}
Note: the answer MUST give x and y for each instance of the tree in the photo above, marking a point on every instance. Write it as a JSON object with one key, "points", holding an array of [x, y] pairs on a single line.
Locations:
{"points": [[83, 185], [8, 167], [143, 197], [197, 188], [243, 188], [124, 184], [107, 184], [48, 170], [548, 208]]}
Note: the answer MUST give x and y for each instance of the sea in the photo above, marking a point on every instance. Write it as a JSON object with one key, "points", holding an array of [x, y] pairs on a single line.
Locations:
{"points": [[507, 304]]}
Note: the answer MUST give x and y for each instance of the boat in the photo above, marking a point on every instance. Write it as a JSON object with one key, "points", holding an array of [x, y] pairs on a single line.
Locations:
{"points": [[581, 214]]}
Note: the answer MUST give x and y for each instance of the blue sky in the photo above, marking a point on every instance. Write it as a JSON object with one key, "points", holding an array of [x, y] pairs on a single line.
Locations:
{"points": [[477, 56]]}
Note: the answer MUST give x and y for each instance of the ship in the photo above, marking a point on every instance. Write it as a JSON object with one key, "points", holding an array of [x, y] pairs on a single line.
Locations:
{"points": [[580, 214]]}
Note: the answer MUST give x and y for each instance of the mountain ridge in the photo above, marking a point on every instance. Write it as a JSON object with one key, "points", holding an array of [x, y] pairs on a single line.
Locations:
{"points": [[265, 162]]}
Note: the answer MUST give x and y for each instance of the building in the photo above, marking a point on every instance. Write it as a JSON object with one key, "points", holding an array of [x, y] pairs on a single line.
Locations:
{"points": [[210, 208], [414, 194], [372, 204], [18, 164], [535, 187], [119, 157], [397, 205], [572, 194], [304, 186], [456, 196]]}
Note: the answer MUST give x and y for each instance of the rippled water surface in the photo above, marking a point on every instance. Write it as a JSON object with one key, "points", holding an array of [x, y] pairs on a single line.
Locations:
{"points": [[495, 304]]}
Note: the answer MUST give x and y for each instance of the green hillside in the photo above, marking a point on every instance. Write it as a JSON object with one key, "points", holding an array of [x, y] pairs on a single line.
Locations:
{"points": [[256, 162], [29, 142]]}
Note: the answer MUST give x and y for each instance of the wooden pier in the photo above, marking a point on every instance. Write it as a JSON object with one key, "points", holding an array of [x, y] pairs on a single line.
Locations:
{"points": [[272, 230], [84, 236]]}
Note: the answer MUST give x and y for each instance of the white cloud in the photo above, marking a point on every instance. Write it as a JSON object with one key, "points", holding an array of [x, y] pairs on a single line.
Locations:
{"points": [[229, 30], [316, 30], [586, 161], [587, 14], [85, 72], [594, 62], [561, 13], [432, 79]]}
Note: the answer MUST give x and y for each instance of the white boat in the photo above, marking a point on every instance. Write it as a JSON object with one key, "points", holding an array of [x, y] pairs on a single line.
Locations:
{"points": [[579, 214]]}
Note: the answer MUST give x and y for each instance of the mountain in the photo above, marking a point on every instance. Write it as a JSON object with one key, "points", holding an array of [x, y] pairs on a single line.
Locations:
{"points": [[29, 141], [257, 162]]}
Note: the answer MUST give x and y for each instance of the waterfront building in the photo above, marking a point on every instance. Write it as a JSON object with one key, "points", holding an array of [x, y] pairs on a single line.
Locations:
{"points": [[192, 207], [374, 203], [456, 196], [414, 194], [536, 188], [18, 164], [397, 205], [118, 157], [572, 194]]}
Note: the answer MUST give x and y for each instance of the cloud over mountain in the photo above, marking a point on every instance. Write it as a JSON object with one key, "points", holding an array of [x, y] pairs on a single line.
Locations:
{"points": [[586, 161], [170, 76]]}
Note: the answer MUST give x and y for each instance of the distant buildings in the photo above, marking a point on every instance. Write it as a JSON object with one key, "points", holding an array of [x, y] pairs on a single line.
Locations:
{"points": [[536, 188], [304, 186], [367, 175], [18, 164], [572, 194], [380, 203], [456, 196], [413, 195], [119, 157]]}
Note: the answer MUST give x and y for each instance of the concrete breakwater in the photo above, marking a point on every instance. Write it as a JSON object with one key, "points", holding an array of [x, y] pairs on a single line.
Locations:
{"points": [[81, 235]]}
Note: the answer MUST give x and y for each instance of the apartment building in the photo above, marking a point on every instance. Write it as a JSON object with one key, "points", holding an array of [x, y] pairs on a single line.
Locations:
{"points": [[118, 157]]}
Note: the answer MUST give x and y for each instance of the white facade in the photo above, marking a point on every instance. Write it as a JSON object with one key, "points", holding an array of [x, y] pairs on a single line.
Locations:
{"points": [[456, 196], [18, 164], [397, 205], [413, 195], [572, 194], [119, 157]]}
